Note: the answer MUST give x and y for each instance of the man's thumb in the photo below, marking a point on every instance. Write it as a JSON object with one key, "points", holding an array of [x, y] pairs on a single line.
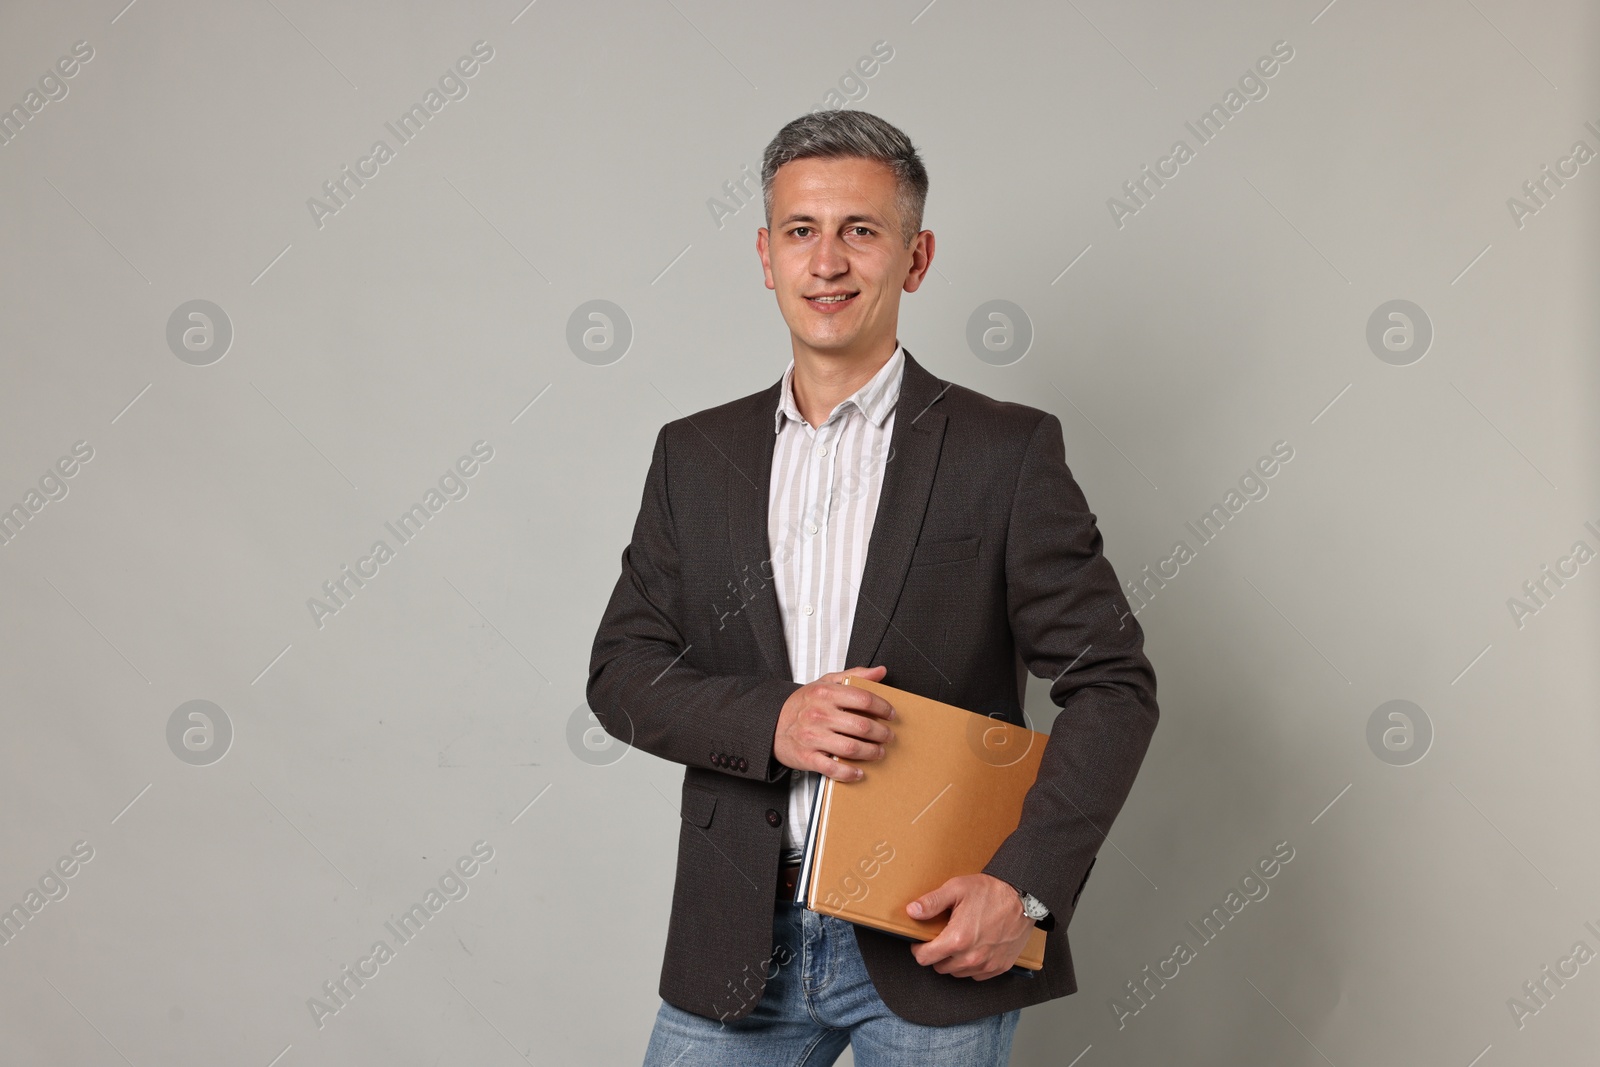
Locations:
{"points": [[930, 904]]}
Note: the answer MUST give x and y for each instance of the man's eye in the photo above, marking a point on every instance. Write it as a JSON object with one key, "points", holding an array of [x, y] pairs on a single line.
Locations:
{"points": [[797, 231], [864, 231]]}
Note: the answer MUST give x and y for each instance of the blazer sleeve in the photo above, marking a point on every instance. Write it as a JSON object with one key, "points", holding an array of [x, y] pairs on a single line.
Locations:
{"points": [[642, 686], [1071, 623]]}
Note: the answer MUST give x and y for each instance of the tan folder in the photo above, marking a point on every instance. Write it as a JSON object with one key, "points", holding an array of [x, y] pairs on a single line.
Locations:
{"points": [[946, 794]]}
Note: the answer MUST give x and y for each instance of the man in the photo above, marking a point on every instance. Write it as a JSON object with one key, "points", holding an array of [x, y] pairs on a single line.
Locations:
{"points": [[860, 511]]}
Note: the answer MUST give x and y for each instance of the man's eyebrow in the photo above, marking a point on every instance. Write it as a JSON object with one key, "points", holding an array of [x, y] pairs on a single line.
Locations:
{"points": [[847, 220]]}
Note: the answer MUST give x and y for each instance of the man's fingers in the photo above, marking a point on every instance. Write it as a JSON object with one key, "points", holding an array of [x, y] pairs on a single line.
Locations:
{"points": [[833, 748], [941, 952], [873, 674], [968, 946], [847, 747], [836, 769], [853, 724], [843, 696], [934, 902], [858, 700], [861, 672], [855, 713], [952, 939], [840, 722]]}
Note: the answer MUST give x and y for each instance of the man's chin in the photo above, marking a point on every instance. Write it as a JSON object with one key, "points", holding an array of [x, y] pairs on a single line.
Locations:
{"points": [[823, 337], [830, 344]]}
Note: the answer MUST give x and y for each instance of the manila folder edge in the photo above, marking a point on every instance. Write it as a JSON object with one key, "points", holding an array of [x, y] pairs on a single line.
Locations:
{"points": [[946, 794]]}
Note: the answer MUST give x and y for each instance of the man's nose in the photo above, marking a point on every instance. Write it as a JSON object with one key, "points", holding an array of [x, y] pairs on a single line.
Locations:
{"points": [[830, 259]]}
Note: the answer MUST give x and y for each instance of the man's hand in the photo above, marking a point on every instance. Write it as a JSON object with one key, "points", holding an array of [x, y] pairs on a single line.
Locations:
{"points": [[986, 932], [827, 719]]}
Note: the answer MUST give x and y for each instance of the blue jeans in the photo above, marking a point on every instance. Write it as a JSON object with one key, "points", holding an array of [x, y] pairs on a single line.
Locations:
{"points": [[819, 1000]]}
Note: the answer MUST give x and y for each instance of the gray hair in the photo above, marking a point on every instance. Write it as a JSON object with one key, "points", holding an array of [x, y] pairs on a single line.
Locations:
{"points": [[844, 134]]}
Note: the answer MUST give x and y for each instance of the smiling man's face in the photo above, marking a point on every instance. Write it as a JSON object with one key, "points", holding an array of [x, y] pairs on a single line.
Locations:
{"points": [[836, 258]]}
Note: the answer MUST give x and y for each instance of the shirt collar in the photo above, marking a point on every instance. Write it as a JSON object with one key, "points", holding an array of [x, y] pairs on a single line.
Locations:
{"points": [[875, 399]]}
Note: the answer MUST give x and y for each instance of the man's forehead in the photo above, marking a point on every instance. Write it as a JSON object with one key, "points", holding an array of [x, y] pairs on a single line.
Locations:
{"points": [[836, 187]]}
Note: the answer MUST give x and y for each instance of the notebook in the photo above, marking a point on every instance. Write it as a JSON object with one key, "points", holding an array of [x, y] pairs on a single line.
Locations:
{"points": [[946, 794]]}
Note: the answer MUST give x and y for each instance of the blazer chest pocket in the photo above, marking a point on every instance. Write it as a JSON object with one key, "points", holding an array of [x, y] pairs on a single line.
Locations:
{"points": [[929, 553], [698, 804]]}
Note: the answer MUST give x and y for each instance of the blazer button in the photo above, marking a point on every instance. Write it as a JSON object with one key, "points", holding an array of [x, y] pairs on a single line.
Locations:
{"points": [[773, 818], [741, 763]]}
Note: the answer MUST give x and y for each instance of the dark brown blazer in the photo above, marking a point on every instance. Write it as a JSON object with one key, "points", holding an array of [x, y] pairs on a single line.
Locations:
{"points": [[984, 562]]}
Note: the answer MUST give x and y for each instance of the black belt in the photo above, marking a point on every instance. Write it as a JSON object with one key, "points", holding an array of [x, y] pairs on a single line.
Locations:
{"points": [[788, 875]]}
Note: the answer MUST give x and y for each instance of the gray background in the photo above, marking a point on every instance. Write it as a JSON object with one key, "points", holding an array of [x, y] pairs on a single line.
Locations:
{"points": [[439, 707]]}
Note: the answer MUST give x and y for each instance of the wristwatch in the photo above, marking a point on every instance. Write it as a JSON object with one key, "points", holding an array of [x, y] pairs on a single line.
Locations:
{"points": [[1032, 906]]}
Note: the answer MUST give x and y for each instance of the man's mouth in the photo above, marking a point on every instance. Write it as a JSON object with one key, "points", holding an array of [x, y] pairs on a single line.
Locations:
{"points": [[830, 301]]}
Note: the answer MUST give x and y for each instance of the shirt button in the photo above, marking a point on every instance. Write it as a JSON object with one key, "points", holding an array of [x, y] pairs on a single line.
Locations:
{"points": [[805, 609], [811, 527], [822, 450]]}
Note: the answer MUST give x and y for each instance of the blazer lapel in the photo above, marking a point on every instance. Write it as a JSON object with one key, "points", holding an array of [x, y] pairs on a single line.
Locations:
{"points": [[749, 488], [902, 501]]}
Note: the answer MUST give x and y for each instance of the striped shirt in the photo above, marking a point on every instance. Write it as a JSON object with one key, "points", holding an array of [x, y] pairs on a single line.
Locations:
{"points": [[820, 511]]}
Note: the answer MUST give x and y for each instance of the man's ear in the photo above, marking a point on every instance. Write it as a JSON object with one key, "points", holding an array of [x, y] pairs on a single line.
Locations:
{"points": [[762, 249], [921, 260]]}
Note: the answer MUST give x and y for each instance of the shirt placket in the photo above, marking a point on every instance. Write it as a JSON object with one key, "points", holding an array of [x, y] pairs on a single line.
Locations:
{"points": [[816, 524]]}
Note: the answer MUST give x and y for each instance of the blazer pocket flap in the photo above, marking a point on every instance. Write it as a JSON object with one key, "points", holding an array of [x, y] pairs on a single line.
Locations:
{"points": [[698, 804], [929, 552]]}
